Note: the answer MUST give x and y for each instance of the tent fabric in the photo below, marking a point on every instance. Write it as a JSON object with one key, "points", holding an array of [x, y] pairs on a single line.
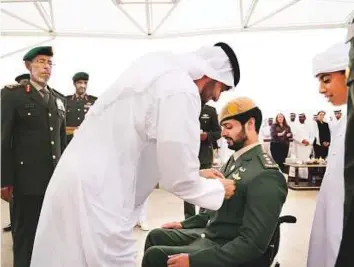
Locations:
{"points": [[134, 19]]}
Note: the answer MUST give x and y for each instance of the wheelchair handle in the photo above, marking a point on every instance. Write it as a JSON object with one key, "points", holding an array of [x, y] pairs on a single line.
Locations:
{"points": [[287, 219]]}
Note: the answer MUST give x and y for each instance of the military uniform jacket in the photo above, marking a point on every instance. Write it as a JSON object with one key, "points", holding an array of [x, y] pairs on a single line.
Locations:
{"points": [[77, 107], [244, 225], [208, 123], [32, 138]]}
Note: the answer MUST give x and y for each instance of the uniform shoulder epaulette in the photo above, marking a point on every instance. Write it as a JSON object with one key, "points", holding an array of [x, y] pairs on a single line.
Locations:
{"points": [[267, 162], [93, 97], [13, 86]]}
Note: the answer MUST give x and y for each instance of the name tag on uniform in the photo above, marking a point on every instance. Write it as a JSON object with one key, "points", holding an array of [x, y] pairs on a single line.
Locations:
{"points": [[205, 116], [60, 104]]}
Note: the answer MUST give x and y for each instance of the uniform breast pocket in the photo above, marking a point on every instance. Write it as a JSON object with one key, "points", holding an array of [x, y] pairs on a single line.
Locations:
{"points": [[29, 112]]}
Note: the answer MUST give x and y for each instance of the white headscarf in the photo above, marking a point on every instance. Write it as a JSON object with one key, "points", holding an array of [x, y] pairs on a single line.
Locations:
{"points": [[335, 58], [210, 61]]}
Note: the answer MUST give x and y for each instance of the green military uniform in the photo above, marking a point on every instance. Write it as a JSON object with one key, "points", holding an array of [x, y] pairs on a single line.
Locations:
{"points": [[240, 231], [345, 256], [20, 79], [208, 123], [77, 107], [32, 141]]}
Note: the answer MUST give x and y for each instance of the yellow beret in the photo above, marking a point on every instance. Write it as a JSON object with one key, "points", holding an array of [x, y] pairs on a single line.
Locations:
{"points": [[235, 107]]}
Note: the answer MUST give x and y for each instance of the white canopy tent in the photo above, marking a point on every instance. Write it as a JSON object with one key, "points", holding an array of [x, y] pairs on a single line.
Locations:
{"points": [[151, 19], [103, 37]]}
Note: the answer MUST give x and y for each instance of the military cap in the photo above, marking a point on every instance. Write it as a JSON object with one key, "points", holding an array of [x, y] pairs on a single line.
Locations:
{"points": [[39, 50], [338, 111], [241, 109], [233, 61], [80, 76], [25, 76]]}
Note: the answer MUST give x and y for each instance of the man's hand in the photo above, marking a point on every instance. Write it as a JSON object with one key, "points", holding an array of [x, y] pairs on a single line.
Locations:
{"points": [[179, 260], [305, 142], [6, 193], [172, 225], [326, 144], [211, 174], [229, 186], [203, 136]]}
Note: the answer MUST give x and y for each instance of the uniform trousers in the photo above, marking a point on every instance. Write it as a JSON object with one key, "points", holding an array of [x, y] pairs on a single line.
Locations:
{"points": [[161, 243], [189, 209], [26, 211]]}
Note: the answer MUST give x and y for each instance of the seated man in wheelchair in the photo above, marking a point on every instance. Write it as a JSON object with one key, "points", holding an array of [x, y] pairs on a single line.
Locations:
{"points": [[239, 233]]}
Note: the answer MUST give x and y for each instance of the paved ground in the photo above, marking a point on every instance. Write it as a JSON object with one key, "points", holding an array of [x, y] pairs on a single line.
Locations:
{"points": [[294, 240]]}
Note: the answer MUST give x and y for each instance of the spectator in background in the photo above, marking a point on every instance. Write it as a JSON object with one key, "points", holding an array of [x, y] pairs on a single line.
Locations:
{"points": [[322, 136], [281, 135]]}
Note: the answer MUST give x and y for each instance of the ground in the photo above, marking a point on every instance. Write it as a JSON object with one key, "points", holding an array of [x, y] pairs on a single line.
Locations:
{"points": [[294, 238]]}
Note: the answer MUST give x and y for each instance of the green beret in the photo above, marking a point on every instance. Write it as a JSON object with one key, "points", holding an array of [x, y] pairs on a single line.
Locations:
{"points": [[22, 77], [81, 76], [40, 50]]}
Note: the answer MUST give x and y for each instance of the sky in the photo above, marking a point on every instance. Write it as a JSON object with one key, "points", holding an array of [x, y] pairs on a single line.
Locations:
{"points": [[276, 67]]}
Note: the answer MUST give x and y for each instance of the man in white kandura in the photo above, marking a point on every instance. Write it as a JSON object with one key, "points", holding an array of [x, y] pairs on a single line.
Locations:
{"points": [[329, 67], [142, 131]]}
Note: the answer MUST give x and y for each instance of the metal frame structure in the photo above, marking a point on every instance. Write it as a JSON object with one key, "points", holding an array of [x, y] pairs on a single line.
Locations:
{"points": [[147, 31]]}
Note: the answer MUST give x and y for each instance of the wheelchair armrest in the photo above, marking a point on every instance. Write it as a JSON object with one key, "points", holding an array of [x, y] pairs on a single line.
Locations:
{"points": [[287, 219]]}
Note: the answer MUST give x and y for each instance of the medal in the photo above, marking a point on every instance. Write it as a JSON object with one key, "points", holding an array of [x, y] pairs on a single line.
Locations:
{"points": [[236, 176]]}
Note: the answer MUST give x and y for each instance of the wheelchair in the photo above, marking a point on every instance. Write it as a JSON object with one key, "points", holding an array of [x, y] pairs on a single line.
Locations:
{"points": [[269, 257], [273, 247]]}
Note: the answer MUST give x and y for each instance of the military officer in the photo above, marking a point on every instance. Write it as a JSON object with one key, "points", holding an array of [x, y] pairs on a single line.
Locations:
{"points": [[210, 132], [23, 78], [20, 79], [78, 104], [345, 256], [239, 232], [32, 140]]}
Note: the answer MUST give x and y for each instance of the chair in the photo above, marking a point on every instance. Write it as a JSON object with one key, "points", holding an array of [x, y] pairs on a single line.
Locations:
{"points": [[273, 247], [268, 259]]}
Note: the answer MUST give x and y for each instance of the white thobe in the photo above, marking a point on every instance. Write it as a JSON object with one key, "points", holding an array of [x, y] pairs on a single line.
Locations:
{"points": [[292, 152], [327, 225], [265, 134], [142, 131], [303, 131], [143, 213]]}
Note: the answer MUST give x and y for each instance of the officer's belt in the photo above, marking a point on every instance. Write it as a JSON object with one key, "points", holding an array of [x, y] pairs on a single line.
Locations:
{"points": [[70, 130]]}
